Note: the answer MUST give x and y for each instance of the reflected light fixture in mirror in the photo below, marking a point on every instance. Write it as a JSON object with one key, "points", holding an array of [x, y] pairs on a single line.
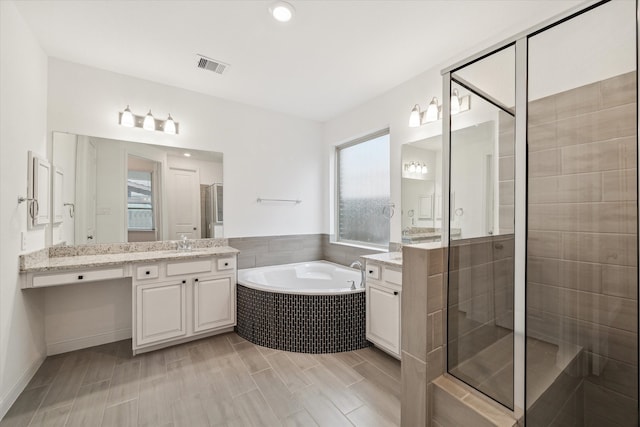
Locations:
{"points": [[282, 11], [414, 167]]}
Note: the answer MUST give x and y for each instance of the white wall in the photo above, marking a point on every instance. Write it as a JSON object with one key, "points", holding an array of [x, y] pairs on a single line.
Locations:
{"points": [[23, 113], [266, 154]]}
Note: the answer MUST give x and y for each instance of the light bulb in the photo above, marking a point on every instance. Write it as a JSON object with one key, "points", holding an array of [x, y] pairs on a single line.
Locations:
{"points": [[414, 118], [412, 167], [282, 11], [432, 111], [149, 122], [455, 102], [127, 118], [170, 126], [424, 168]]}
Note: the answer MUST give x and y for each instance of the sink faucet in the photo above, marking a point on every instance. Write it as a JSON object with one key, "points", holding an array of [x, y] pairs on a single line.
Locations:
{"points": [[358, 264]]}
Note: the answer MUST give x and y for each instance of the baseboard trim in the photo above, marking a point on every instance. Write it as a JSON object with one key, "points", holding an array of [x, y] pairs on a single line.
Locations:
{"points": [[90, 341], [10, 398]]}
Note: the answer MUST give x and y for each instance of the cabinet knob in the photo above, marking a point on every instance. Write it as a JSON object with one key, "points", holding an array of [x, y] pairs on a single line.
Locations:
{"points": [[395, 292], [226, 264], [184, 281], [147, 272], [80, 277], [196, 279], [370, 271]]}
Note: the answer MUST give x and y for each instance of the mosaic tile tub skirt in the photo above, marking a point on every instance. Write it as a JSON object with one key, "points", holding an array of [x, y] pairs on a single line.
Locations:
{"points": [[302, 323]]}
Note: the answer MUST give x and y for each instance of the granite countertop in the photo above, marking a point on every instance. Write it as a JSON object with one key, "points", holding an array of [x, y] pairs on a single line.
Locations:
{"points": [[393, 259], [74, 262]]}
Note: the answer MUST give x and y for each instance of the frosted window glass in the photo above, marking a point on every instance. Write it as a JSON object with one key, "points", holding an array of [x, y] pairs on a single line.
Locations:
{"points": [[364, 192]]}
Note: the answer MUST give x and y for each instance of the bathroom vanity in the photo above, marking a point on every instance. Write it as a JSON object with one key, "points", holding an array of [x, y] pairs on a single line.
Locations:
{"points": [[176, 296], [383, 284]]}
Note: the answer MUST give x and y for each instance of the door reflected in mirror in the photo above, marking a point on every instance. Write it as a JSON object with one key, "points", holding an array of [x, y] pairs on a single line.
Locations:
{"points": [[121, 191]]}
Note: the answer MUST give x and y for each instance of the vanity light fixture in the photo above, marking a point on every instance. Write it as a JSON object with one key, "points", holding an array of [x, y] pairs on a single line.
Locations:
{"points": [[424, 169], [127, 119], [412, 168], [414, 117], [170, 126], [282, 11], [434, 110], [455, 102], [148, 122]]}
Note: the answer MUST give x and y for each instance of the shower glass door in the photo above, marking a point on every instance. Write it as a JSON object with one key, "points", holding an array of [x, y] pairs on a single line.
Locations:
{"points": [[480, 315], [582, 242]]}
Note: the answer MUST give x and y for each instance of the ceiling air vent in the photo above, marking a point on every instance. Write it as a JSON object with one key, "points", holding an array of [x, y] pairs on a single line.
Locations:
{"points": [[211, 64]]}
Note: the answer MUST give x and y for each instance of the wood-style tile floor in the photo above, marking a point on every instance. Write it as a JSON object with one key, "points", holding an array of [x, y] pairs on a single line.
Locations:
{"points": [[218, 381]]}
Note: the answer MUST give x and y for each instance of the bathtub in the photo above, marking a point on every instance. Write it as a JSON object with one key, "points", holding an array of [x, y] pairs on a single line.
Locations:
{"points": [[305, 307]]}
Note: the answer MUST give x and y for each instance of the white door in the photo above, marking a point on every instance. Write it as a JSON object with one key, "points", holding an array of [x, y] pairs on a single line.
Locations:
{"points": [[184, 209], [214, 303], [161, 311], [86, 192], [383, 317]]}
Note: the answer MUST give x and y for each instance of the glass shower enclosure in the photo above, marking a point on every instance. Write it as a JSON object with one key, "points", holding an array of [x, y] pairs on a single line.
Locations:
{"points": [[542, 299]]}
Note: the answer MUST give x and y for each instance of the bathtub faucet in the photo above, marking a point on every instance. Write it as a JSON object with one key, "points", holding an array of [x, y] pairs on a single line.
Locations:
{"points": [[358, 264]]}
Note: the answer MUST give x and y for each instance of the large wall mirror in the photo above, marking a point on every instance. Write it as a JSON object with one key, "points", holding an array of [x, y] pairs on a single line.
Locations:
{"points": [[474, 203], [120, 191], [422, 190]]}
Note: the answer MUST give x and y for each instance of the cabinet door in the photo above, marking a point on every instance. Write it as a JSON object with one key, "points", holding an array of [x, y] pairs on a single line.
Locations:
{"points": [[160, 311], [213, 303], [383, 317]]}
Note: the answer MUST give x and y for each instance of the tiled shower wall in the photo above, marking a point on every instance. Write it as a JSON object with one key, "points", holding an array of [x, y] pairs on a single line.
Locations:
{"points": [[582, 237], [273, 250], [481, 313]]}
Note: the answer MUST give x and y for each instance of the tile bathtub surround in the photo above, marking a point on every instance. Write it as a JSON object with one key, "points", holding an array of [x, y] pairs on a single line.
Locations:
{"points": [[582, 248], [423, 328], [302, 323], [261, 251]]}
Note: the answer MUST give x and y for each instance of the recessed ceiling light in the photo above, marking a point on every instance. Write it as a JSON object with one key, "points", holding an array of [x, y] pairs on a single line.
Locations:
{"points": [[281, 11], [187, 154]]}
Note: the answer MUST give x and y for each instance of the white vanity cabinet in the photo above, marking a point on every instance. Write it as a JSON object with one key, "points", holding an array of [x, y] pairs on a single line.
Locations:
{"points": [[174, 301], [384, 296]]}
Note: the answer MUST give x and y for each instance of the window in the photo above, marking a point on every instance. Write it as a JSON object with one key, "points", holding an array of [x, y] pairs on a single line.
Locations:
{"points": [[364, 207], [140, 200]]}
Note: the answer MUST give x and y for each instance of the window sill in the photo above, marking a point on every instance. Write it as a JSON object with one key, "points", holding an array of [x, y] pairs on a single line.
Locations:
{"points": [[361, 246]]}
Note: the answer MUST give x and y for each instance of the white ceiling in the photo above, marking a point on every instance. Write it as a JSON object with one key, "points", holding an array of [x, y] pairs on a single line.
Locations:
{"points": [[332, 57]]}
